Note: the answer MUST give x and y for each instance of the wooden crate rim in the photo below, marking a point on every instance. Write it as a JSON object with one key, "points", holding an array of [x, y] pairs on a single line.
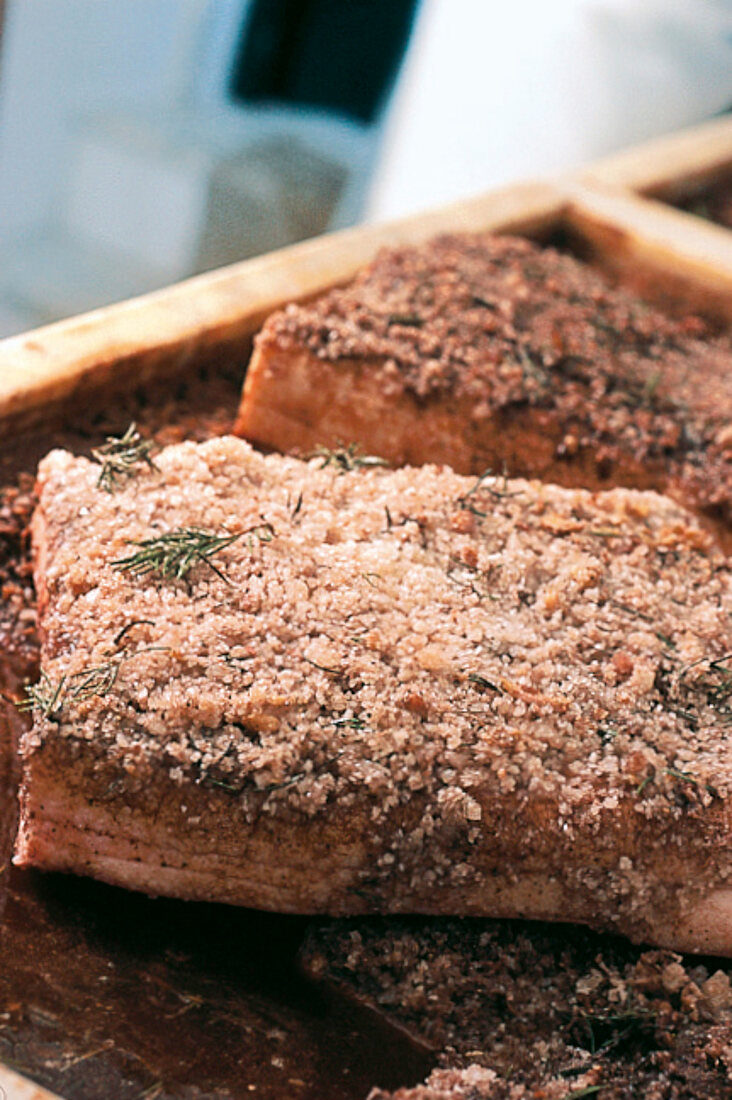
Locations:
{"points": [[695, 153]]}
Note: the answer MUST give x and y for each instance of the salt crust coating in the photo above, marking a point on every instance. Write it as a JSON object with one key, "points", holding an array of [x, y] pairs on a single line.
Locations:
{"points": [[405, 636], [507, 323]]}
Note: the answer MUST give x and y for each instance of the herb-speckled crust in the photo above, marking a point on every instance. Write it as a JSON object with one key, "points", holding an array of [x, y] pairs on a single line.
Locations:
{"points": [[423, 692], [485, 351]]}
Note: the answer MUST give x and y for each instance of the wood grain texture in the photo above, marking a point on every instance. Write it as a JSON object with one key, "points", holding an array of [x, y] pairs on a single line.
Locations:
{"points": [[695, 154], [674, 258]]}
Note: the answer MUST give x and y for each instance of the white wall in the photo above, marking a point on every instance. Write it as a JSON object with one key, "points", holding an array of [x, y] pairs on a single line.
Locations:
{"points": [[496, 90], [122, 155], [63, 58]]}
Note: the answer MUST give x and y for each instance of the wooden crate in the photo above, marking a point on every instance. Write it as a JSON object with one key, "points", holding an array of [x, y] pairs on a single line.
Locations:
{"points": [[669, 256]]}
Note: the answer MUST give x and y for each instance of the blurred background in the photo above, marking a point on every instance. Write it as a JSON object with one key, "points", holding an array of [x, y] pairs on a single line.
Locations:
{"points": [[146, 141]]}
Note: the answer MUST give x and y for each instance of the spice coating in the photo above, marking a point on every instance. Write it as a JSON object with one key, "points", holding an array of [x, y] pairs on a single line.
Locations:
{"points": [[494, 678], [531, 358]]}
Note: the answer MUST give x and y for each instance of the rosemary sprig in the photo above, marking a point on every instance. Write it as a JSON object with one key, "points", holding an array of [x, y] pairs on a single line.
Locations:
{"points": [[174, 554], [45, 696], [49, 698], [346, 458], [466, 502], [95, 681], [120, 456]]}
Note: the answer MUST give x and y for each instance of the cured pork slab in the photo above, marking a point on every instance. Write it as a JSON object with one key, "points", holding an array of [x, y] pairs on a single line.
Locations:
{"points": [[494, 352], [372, 690]]}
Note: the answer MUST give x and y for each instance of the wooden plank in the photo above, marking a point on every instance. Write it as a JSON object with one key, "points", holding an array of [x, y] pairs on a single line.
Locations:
{"points": [[668, 165], [661, 252], [15, 1087]]}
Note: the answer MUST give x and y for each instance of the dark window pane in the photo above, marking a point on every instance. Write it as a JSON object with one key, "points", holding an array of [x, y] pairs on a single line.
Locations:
{"points": [[340, 55]]}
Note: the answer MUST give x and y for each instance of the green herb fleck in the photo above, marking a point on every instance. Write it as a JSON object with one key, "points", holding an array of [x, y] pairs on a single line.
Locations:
{"points": [[345, 459], [686, 776], [120, 457], [532, 372], [623, 1025], [718, 683], [476, 678], [651, 385], [631, 610], [324, 668], [45, 696], [465, 501], [129, 626], [642, 786], [223, 785], [715, 682], [49, 698], [354, 723], [175, 553]]}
